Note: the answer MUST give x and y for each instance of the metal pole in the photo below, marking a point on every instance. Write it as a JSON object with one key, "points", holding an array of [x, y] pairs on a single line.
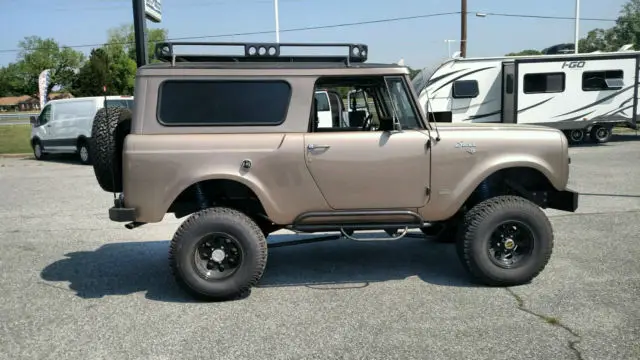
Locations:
{"points": [[275, 3], [140, 32], [577, 34], [463, 29]]}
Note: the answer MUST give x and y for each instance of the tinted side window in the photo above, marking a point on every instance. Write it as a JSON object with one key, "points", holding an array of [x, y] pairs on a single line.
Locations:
{"points": [[211, 102], [602, 80], [465, 89], [544, 83], [45, 115]]}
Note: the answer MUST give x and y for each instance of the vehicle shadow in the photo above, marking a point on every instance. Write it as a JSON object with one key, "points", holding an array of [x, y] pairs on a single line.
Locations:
{"points": [[131, 267], [68, 159], [615, 138]]}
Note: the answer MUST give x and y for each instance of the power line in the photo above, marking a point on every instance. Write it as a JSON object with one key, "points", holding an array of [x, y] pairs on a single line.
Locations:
{"points": [[319, 27], [307, 28], [542, 16]]}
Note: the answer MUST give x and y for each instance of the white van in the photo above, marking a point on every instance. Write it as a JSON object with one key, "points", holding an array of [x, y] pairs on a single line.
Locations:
{"points": [[64, 126]]}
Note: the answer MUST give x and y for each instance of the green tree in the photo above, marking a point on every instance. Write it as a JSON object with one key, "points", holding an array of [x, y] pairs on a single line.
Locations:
{"points": [[122, 38], [37, 54], [107, 68], [12, 82], [525, 53]]}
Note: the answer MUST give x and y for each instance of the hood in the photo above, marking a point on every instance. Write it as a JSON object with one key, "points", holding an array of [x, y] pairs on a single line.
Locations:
{"points": [[491, 126]]}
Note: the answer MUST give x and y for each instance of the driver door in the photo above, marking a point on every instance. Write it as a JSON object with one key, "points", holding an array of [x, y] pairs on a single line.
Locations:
{"points": [[357, 169]]}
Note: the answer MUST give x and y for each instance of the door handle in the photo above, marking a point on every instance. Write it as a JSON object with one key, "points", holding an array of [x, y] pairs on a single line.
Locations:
{"points": [[314, 146]]}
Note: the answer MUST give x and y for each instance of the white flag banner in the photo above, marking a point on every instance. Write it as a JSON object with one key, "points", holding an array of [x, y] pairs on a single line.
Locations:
{"points": [[43, 84]]}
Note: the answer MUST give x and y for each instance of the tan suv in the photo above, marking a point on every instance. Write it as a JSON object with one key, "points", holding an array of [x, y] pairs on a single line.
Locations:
{"points": [[234, 142]]}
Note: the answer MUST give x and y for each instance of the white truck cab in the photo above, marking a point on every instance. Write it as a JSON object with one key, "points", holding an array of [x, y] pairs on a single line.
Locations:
{"points": [[64, 126]]}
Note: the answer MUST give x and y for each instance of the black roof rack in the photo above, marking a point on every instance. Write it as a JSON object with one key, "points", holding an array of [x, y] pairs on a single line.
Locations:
{"points": [[260, 52]]}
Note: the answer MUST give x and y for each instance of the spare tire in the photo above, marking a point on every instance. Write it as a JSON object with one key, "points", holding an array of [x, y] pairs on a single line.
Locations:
{"points": [[110, 126]]}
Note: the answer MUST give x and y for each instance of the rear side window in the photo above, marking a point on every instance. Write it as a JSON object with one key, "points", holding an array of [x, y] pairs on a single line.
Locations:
{"points": [[544, 83], [223, 102]]}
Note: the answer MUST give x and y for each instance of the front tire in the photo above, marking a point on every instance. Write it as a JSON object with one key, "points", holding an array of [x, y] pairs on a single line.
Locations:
{"points": [[38, 150], [218, 254], [505, 241]]}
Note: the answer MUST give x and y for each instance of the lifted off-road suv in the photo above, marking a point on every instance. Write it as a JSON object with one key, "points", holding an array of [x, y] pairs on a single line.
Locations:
{"points": [[234, 143]]}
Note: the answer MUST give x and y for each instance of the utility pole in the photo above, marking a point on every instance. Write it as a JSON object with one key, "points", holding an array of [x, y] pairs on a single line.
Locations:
{"points": [[577, 34], [275, 4], [463, 29], [140, 31]]}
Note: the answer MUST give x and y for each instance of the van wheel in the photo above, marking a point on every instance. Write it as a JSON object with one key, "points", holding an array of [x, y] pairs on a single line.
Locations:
{"points": [[83, 152], [105, 148], [38, 150], [218, 254], [505, 241]]}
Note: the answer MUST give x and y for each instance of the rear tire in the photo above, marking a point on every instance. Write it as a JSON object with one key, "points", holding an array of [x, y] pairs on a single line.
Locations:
{"points": [[105, 148], [526, 232], [214, 239], [600, 134], [83, 152]]}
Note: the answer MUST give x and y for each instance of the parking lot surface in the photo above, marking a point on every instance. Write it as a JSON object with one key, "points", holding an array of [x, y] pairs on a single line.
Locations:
{"points": [[76, 286]]}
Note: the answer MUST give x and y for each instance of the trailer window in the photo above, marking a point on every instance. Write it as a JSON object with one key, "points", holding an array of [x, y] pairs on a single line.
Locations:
{"points": [[602, 80], [544, 83], [465, 89]]}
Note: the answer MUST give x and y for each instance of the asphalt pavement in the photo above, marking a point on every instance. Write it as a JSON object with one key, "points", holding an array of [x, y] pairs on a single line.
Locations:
{"points": [[76, 286]]}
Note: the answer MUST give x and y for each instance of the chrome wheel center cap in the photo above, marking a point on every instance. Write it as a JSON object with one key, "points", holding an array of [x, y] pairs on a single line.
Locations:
{"points": [[218, 255], [509, 244]]}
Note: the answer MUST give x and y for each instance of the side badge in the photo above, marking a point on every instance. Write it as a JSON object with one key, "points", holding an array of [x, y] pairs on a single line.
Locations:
{"points": [[246, 164], [469, 147]]}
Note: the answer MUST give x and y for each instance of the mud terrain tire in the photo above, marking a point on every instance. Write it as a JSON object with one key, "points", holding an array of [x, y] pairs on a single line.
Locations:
{"points": [[534, 236], [105, 148], [195, 264]]}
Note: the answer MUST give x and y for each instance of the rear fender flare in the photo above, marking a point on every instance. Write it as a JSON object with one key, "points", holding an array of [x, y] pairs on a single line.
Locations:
{"points": [[270, 206]]}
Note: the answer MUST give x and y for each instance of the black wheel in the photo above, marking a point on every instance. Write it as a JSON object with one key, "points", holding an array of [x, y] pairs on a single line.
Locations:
{"points": [[38, 150], [218, 254], [576, 136], [105, 148], [600, 134], [505, 241], [83, 152]]}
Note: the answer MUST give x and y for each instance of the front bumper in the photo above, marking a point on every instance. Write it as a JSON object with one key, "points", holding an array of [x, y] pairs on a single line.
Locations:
{"points": [[118, 212], [566, 200]]}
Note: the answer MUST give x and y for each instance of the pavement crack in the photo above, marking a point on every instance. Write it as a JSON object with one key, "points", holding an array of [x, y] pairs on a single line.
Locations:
{"points": [[572, 344]]}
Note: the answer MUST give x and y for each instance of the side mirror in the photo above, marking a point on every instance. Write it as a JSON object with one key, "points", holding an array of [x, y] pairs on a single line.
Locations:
{"points": [[33, 120]]}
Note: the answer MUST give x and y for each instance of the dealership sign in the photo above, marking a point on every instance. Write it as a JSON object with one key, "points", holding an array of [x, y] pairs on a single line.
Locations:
{"points": [[153, 10]]}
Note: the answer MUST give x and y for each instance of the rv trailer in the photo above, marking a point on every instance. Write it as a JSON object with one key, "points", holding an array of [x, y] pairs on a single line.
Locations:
{"points": [[584, 95]]}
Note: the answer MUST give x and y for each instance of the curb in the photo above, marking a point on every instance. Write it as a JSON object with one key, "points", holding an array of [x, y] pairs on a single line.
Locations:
{"points": [[16, 155]]}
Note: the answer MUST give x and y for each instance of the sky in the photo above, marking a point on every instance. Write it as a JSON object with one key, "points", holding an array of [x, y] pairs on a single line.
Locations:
{"points": [[420, 41]]}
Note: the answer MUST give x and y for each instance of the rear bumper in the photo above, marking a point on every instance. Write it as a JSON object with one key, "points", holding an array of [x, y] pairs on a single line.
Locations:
{"points": [[566, 200], [120, 213]]}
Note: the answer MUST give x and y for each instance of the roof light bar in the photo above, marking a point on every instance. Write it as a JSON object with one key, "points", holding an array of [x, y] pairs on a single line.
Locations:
{"points": [[256, 52]]}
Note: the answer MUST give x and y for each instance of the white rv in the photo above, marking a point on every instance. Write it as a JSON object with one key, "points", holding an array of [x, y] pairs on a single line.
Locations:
{"points": [[581, 94], [64, 126]]}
